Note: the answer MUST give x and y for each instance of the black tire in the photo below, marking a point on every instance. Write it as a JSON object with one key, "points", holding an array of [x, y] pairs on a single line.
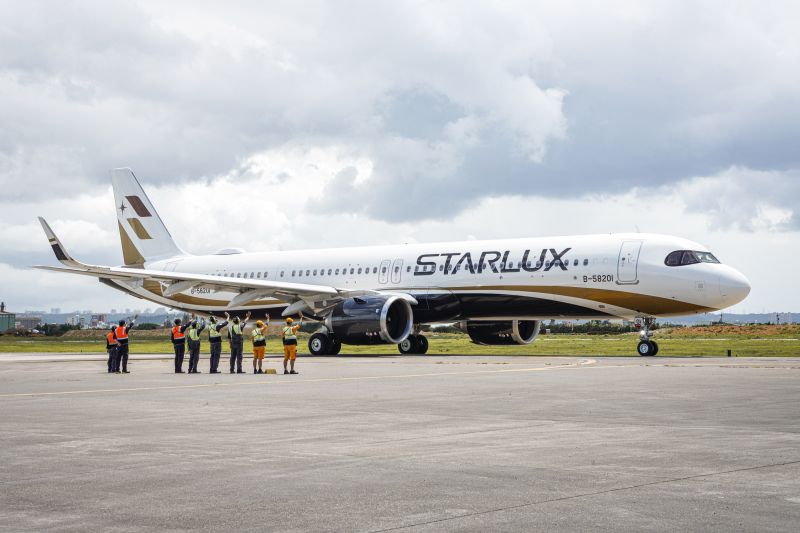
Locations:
{"points": [[655, 347], [409, 345], [645, 348], [422, 344], [318, 344], [335, 348]]}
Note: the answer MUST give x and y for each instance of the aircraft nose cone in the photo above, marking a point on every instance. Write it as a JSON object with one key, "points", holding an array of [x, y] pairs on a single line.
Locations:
{"points": [[733, 287]]}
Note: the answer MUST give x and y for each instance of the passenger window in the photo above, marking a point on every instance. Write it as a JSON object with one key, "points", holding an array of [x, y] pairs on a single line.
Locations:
{"points": [[300, 273], [238, 274], [352, 270], [281, 273], [575, 263], [416, 268], [258, 274], [441, 268], [308, 272], [329, 271], [315, 271], [359, 270], [408, 268], [383, 270], [294, 273], [374, 270], [337, 271], [585, 262]]}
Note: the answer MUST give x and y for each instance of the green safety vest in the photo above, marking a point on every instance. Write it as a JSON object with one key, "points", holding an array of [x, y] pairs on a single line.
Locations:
{"points": [[288, 333], [236, 330], [257, 335], [193, 335], [212, 331]]}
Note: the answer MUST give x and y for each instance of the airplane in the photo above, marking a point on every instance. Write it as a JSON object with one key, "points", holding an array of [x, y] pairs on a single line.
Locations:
{"points": [[497, 291]]}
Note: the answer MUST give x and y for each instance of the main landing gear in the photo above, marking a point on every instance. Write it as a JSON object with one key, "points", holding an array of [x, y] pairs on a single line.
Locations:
{"points": [[414, 344], [323, 344], [646, 347]]}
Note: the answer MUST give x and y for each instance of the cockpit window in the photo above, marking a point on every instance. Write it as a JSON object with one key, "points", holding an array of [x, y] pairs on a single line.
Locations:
{"points": [[689, 257]]}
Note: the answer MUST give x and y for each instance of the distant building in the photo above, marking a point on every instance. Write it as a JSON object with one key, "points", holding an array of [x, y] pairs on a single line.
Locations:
{"points": [[28, 321], [55, 311], [7, 320], [98, 319]]}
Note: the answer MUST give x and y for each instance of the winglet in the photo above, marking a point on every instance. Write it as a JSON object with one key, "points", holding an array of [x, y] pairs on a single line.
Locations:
{"points": [[58, 248]]}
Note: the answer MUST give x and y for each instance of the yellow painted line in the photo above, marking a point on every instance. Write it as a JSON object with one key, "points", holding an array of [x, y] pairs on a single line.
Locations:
{"points": [[578, 364]]}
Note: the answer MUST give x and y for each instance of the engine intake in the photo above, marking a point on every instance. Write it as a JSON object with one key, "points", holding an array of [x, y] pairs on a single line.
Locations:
{"points": [[371, 320], [502, 332]]}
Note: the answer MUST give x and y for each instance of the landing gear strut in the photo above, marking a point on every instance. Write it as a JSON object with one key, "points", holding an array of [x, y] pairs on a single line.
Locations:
{"points": [[322, 343], [414, 344], [647, 347]]}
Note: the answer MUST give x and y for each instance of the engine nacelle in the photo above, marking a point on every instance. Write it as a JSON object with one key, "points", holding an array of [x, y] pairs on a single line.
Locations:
{"points": [[371, 320], [501, 332]]}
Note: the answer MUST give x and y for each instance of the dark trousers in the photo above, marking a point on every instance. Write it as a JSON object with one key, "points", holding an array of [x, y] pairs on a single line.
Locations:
{"points": [[122, 357], [180, 349], [236, 355], [112, 358], [194, 355], [216, 351]]}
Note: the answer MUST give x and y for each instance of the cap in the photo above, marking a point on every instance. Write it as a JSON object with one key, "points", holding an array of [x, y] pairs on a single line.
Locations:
{"points": [[289, 320], [259, 323]]}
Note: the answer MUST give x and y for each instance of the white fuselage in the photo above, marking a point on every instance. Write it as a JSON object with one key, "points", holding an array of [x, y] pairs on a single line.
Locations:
{"points": [[588, 276]]}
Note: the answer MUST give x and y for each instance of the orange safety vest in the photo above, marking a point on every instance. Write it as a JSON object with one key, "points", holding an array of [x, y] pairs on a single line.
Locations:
{"points": [[177, 333], [111, 339], [121, 334]]}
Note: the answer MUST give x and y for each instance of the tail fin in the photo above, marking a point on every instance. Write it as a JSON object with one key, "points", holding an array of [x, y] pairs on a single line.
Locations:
{"points": [[143, 235]]}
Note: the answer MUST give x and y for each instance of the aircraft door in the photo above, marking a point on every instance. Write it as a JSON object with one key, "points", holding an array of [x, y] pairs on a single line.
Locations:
{"points": [[383, 272], [628, 263], [397, 270]]}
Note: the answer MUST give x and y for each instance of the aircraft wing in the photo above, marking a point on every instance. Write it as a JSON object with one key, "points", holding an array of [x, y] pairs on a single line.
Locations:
{"points": [[300, 296]]}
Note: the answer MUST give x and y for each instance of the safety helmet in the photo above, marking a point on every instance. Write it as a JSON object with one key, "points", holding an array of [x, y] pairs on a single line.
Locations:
{"points": [[259, 323], [289, 320]]}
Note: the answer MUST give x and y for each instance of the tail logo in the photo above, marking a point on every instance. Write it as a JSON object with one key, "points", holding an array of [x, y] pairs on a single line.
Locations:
{"points": [[122, 207], [137, 205]]}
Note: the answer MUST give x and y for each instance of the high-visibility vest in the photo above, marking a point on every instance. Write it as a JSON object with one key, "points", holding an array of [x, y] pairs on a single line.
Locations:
{"points": [[177, 334], [110, 338], [288, 332], [236, 331], [257, 335], [212, 331], [193, 334], [121, 333]]}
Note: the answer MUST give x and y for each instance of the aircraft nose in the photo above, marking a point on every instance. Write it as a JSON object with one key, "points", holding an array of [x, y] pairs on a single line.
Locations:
{"points": [[733, 287]]}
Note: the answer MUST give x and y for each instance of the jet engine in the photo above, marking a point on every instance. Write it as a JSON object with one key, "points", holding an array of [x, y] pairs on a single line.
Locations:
{"points": [[501, 332], [371, 320]]}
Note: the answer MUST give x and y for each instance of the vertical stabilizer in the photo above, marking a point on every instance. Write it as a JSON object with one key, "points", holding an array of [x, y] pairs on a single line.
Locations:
{"points": [[143, 235]]}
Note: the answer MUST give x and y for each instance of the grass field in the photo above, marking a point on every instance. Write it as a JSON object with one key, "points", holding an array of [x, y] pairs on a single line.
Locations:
{"points": [[743, 341]]}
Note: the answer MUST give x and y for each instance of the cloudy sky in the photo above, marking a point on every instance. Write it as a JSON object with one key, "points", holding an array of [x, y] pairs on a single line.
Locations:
{"points": [[306, 124]]}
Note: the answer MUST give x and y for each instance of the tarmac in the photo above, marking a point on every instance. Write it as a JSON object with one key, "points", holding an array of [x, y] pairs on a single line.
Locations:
{"points": [[402, 443]]}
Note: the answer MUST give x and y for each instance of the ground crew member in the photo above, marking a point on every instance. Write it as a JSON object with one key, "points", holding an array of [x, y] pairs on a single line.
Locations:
{"points": [[235, 336], [290, 343], [215, 341], [111, 348], [121, 336], [259, 345], [195, 327], [178, 337]]}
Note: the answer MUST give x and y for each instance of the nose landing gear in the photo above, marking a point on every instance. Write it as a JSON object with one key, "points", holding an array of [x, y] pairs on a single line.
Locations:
{"points": [[646, 347]]}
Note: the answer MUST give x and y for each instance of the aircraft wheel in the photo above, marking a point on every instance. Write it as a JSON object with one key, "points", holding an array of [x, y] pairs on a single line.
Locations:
{"points": [[645, 348], [409, 345], [422, 344], [335, 348], [319, 344], [655, 347]]}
